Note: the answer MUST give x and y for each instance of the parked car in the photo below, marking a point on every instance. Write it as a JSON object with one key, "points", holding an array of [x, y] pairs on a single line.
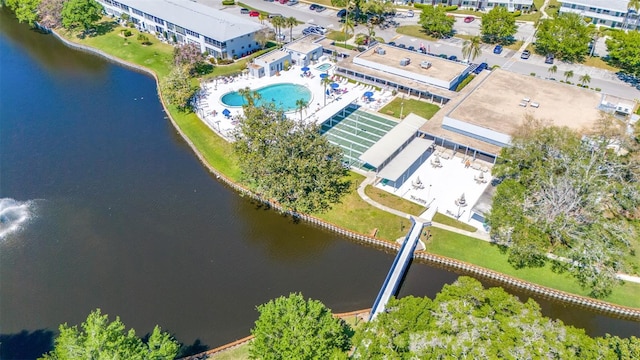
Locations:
{"points": [[525, 54], [497, 49], [311, 30], [402, 46], [313, 6], [453, 58], [549, 59], [320, 29], [469, 19], [410, 13], [283, 1], [271, 16], [244, 11], [254, 13], [391, 43], [444, 56], [342, 13], [320, 8], [480, 68], [412, 48], [293, 2]]}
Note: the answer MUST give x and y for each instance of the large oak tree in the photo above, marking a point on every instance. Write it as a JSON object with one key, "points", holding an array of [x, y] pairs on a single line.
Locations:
{"points": [[288, 161]]}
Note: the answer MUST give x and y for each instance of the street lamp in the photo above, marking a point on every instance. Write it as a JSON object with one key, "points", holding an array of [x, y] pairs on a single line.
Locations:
{"points": [[401, 106]]}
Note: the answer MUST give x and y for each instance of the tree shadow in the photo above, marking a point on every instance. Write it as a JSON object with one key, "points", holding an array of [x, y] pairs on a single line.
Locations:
{"points": [[102, 28], [196, 348], [26, 345]]}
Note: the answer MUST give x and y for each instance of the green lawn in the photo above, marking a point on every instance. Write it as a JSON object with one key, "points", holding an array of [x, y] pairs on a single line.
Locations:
{"points": [[599, 63], [338, 35], [415, 31], [406, 106], [446, 220], [394, 201], [489, 256], [240, 352]]}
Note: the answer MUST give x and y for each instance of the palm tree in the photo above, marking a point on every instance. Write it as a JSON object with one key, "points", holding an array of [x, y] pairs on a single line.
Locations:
{"points": [[262, 17], [326, 81], [471, 48], [301, 105], [348, 25], [278, 22], [585, 79], [249, 95], [553, 69], [291, 22], [568, 74]]}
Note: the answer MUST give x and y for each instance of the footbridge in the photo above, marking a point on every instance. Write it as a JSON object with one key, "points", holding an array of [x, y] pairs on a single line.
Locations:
{"points": [[398, 269]]}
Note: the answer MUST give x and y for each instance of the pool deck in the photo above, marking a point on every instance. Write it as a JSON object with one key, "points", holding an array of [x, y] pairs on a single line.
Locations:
{"points": [[208, 99]]}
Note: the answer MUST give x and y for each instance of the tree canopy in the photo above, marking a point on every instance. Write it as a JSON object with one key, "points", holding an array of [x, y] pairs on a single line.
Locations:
{"points": [[188, 55], [50, 12], [435, 21], [498, 25], [99, 338], [567, 36], [177, 88], [466, 321], [294, 328], [81, 13], [570, 196], [624, 50], [25, 10], [288, 161]]}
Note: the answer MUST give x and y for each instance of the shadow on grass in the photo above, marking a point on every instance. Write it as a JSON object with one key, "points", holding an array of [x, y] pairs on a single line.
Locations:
{"points": [[26, 345]]}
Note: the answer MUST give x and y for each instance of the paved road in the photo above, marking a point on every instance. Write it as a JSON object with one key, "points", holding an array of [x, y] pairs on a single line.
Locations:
{"points": [[509, 59]]}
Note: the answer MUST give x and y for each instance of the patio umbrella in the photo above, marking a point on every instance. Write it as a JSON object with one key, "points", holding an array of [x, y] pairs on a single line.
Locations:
{"points": [[335, 85], [226, 112], [368, 94], [305, 68], [322, 76]]}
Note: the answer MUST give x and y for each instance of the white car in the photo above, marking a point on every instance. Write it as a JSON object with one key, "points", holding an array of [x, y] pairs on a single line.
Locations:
{"points": [[320, 29]]}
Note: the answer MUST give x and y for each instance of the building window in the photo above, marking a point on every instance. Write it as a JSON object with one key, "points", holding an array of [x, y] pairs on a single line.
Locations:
{"points": [[180, 30], [137, 12], [170, 26], [192, 33]]}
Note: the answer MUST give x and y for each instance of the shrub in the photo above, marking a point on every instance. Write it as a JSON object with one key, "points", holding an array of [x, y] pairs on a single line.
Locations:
{"points": [[228, 2], [464, 82], [451, 8], [131, 24], [532, 74], [126, 33], [517, 13], [495, 67], [420, 6], [598, 89]]}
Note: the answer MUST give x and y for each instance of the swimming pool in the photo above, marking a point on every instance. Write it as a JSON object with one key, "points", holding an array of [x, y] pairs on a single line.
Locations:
{"points": [[284, 96], [324, 67]]}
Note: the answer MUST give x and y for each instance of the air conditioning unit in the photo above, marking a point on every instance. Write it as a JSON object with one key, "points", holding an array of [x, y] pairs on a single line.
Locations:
{"points": [[405, 61], [425, 64], [380, 51]]}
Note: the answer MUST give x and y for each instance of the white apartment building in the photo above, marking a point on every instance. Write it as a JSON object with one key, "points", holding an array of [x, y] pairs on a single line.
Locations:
{"points": [[611, 13], [484, 5], [220, 34]]}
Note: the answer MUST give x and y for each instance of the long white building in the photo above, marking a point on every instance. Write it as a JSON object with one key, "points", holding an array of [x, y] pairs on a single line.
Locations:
{"points": [[220, 34], [484, 5], [611, 13]]}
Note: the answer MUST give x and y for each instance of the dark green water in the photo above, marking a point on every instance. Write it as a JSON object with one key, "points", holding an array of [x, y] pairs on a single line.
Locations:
{"points": [[124, 218]]}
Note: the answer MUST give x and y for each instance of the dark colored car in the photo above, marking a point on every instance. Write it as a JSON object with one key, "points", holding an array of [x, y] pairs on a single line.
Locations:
{"points": [[497, 49], [480, 68], [244, 11], [549, 59], [453, 58], [391, 43], [402, 46], [342, 13], [313, 6], [293, 2], [320, 8], [525, 54], [412, 48], [444, 56]]}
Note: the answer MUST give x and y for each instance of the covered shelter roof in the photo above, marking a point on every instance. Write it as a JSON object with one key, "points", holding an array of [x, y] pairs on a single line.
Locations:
{"points": [[392, 141], [409, 155]]}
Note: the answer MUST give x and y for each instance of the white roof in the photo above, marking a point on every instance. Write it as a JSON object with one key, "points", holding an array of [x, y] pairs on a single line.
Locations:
{"points": [[391, 141], [393, 170], [196, 17], [617, 5]]}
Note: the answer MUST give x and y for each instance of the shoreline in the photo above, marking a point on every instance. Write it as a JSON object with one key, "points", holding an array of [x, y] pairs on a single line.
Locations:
{"points": [[595, 305]]}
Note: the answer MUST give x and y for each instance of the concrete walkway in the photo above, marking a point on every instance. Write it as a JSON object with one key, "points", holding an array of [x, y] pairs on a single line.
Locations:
{"points": [[370, 179]]}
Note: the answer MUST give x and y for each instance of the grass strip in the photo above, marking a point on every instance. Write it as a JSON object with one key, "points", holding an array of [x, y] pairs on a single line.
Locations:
{"points": [[415, 31], [490, 256], [446, 220], [393, 201], [407, 106]]}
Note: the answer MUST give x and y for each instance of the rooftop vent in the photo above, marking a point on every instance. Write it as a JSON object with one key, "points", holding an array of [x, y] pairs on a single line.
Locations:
{"points": [[380, 51], [405, 61], [425, 64]]}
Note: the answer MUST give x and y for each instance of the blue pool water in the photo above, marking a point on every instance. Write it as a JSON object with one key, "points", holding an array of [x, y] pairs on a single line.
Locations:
{"points": [[284, 96], [324, 67]]}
